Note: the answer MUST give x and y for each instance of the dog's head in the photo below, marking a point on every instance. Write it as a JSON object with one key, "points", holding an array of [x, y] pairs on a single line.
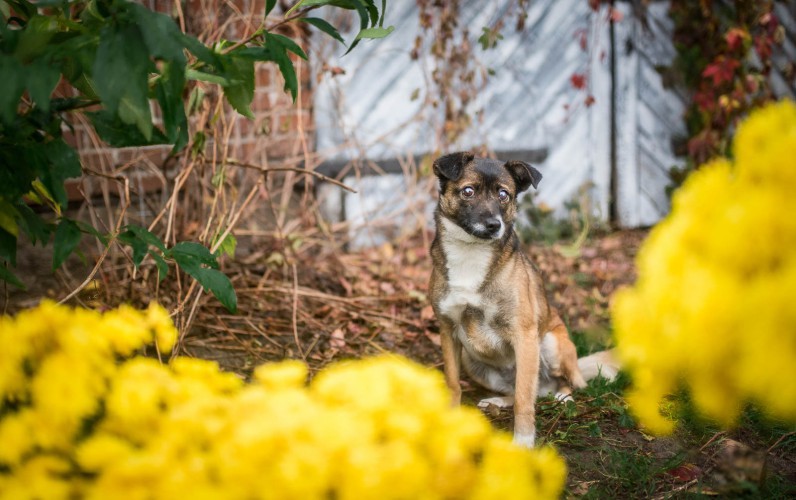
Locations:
{"points": [[479, 194]]}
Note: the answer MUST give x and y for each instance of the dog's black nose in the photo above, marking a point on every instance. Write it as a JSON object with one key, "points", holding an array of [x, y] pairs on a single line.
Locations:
{"points": [[492, 225]]}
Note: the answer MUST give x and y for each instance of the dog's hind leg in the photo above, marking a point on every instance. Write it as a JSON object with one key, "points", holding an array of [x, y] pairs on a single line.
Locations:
{"points": [[495, 379]]}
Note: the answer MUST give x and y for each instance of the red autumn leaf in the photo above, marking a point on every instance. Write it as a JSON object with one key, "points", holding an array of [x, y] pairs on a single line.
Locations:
{"points": [[589, 100], [770, 22], [583, 39], [752, 84], [705, 100], [763, 47], [721, 70], [578, 81], [594, 4], [703, 146], [735, 38], [685, 473]]}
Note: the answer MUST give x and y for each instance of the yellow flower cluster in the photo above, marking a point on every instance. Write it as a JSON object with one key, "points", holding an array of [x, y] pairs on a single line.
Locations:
{"points": [[79, 417], [713, 308]]}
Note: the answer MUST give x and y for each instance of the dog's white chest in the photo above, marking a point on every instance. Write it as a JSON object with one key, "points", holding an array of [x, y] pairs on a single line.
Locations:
{"points": [[467, 262]]}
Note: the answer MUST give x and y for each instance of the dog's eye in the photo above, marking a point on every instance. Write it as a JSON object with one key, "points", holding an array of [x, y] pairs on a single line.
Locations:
{"points": [[468, 191], [503, 195]]}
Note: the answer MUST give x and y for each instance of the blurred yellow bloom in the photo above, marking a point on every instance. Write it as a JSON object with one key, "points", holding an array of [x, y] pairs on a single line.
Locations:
{"points": [[712, 308], [76, 422], [290, 374]]}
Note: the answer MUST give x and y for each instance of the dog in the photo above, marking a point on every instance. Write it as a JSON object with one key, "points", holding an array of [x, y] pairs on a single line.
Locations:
{"points": [[489, 299]]}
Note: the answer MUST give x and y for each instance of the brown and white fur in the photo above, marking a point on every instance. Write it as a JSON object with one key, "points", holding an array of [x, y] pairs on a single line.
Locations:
{"points": [[488, 297]]}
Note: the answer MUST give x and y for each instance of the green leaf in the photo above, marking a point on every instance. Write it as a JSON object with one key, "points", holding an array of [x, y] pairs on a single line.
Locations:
{"points": [[120, 75], [284, 42], [35, 37], [67, 237], [375, 32], [8, 247], [145, 235], [139, 246], [12, 84], [160, 262], [192, 257], [9, 277], [23, 8], [228, 246], [240, 91], [218, 283], [115, 132], [305, 3], [62, 163], [269, 6], [186, 251], [169, 90], [77, 60], [373, 11], [140, 239], [161, 34], [164, 40], [192, 74], [33, 225], [89, 229], [276, 49], [45, 77], [19, 165], [8, 218], [201, 51], [324, 26], [361, 9]]}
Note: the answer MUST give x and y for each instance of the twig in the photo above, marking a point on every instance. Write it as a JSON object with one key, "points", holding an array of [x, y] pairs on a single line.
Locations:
{"points": [[6, 294], [781, 438], [295, 311], [720, 433], [272, 27], [265, 170], [104, 253], [263, 334], [236, 216], [187, 323], [680, 488]]}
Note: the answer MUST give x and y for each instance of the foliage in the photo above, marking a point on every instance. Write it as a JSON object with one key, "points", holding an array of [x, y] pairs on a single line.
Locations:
{"points": [[724, 52], [712, 306], [456, 78], [116, 61], [74, 422], [544, 227]]}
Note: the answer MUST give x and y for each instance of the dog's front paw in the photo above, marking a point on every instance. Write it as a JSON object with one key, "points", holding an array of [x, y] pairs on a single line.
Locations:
{"points": [[560, 396], [525, 440], [499, 401]]}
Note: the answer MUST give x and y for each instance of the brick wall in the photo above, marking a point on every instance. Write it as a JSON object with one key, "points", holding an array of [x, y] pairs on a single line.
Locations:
{"points": [[272, 136]]}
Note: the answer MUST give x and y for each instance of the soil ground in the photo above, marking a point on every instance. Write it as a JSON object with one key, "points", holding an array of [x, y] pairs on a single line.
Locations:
{"points": [[351, 305], [331, 306]]}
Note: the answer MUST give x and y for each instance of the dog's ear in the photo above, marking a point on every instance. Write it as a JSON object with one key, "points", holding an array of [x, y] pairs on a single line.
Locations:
{"points": [[524, 174], [449, 167]]}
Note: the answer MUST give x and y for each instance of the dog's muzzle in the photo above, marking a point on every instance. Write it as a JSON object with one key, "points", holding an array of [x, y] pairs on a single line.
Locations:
{"points": [[490, 229]]}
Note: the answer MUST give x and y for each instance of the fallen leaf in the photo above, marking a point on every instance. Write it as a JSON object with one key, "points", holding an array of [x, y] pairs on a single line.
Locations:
{"points": [[582, 487], [433, 337], [685, 473], [427, 313]]}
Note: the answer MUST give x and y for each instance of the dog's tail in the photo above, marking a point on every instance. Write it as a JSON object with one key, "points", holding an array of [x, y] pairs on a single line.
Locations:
{"points": [[603, 363]]}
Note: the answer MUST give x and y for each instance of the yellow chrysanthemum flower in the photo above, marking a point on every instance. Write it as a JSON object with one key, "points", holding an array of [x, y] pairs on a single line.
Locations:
{"points": [[712, 307], [75, 423]]}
